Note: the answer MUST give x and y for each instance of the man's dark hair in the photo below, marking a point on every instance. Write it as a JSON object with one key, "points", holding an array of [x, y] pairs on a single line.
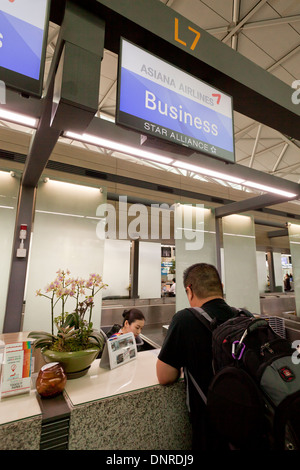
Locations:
{"points": [[204, 280]]}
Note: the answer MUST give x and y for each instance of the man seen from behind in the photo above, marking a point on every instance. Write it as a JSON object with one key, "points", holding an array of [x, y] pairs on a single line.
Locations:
{"points": [[188, 345]]}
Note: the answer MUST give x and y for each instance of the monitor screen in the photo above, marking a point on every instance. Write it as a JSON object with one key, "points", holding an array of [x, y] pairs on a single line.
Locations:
{"points": [[23, 34], [158, 99]]}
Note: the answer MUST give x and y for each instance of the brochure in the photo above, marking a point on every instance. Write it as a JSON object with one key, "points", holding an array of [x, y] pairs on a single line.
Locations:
{"points": [[118, 351], [16, 369]]}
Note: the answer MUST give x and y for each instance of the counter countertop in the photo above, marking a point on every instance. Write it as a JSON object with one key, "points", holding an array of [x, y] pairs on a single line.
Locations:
{"points": [[96, 385], [101, 383], [19, 407]]}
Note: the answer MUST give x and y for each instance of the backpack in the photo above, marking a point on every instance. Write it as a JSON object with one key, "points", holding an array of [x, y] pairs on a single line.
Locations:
{"points": [[253, 400]]}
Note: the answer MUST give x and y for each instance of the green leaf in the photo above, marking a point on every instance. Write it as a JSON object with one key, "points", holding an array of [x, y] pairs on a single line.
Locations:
{"points": [[41, 343], [38, 334], [71, 320], [97, 337]]}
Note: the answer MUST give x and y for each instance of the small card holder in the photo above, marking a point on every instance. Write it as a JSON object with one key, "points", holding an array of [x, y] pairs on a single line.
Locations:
{"points": [[118, 351]]}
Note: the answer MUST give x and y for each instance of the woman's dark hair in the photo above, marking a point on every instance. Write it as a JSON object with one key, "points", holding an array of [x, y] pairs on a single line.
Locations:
{"points": [[132, 315]]}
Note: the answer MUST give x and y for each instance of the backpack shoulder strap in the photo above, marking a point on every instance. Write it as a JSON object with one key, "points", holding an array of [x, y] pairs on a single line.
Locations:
{"points": [[241, 311], [206, 320], [203, 316], [199, 390]]}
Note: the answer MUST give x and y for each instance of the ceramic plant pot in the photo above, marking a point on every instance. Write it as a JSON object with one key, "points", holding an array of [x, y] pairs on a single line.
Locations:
{"points": [[75, 363]]}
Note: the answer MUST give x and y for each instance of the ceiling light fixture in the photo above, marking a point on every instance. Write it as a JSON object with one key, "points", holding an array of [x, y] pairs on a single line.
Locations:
{"points": [[7, 173], [207, 172], [268, 189], [18, 118], [139, 153], [116, 146], [66, 184], [107, 117], [233, 179]]}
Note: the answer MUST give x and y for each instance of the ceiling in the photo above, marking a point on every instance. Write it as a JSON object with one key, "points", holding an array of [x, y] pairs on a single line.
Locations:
{"points": [[267, 33]]}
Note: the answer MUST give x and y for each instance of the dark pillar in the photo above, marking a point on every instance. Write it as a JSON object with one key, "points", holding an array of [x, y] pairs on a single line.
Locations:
{"points": [[15, 295], [70, 99], [135, 269], [271, 270]]}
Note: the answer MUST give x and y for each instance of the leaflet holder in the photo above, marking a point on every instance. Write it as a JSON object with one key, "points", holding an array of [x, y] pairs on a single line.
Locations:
{"points": [[118, 351]]}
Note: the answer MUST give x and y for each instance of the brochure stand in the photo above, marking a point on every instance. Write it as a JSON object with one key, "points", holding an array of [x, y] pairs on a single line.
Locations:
{"points": [[118, 351], [16, 369]]}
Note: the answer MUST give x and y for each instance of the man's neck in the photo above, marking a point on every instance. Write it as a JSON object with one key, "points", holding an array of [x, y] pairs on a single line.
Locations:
{"points": [[196, 302]]}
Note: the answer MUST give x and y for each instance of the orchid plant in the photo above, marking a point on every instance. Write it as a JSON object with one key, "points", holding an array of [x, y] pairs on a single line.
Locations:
{"points": [[74, 332]]}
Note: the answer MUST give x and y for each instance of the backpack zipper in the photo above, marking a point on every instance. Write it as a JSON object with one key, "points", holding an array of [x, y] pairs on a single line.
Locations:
{"points": [[266, 347]]}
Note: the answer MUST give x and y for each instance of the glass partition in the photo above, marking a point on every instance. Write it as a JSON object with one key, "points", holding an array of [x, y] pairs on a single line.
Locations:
{"points": [[9, 190], [262, 271], [294, 237], [240, 262], [149, 270], [195, 242], [116, 269], [66, 235]]}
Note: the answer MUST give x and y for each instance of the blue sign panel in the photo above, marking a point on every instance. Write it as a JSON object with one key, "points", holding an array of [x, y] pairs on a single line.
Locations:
{"points": [[22, 42], [157, 98]]}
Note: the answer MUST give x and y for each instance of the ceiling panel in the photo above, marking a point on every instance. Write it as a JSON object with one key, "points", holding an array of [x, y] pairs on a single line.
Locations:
{"points": [[246, 6], [205, 14], [276, 41], [253, 51], [286, 7]]}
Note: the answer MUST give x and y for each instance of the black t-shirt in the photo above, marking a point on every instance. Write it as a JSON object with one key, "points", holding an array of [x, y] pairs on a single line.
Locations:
{"points": [[189, 344], [188, 341]]}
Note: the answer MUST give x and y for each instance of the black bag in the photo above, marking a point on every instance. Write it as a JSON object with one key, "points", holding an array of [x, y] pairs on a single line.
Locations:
{"points": [[114, 329], [254, 397]]}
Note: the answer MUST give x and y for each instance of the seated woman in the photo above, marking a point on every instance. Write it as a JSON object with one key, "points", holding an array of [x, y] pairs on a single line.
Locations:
{"points": [[133, 322]]}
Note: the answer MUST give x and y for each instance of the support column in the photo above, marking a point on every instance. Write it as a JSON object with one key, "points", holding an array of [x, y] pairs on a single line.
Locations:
{"points": [[218, 248], [135, 269], [240, 266], [294, 238], [271, 271], [70, 96], [15, 295]]}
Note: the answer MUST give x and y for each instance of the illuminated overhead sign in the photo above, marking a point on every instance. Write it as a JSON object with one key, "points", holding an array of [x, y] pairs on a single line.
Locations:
{"points": [[161, 100], [23, 33]]}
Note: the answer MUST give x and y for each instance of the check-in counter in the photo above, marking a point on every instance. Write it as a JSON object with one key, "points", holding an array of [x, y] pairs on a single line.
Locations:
{"points": [[277, 303], [126, 409], [20, 415], [20, 422]]}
